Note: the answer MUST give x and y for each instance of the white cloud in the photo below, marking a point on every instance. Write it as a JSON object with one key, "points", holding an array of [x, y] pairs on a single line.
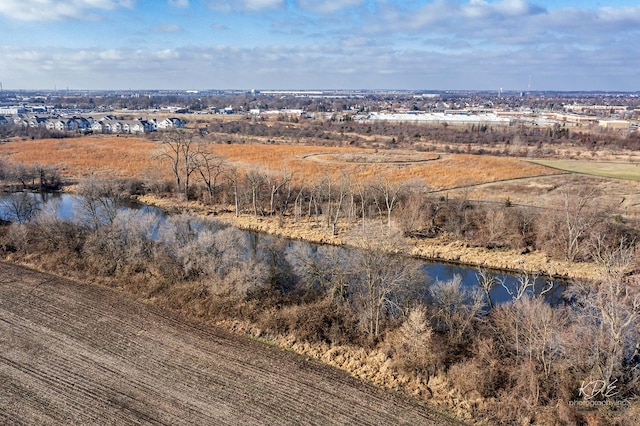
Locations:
{"points": [[630, 15], [166, 54], [245, 5], [448, 12], [320, 66], [328, 6], [110, 55], [468, 44], [506, 8], [55, 10], [178, 3], [508, 24]]}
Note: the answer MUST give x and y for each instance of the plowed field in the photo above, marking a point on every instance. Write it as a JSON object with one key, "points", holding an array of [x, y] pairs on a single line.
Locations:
{"points": [[83, 354]]}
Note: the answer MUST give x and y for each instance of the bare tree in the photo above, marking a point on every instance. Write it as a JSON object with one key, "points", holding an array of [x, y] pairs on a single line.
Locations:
{"points": [[609, 314], [323, 270], [564, 228], [390, 193], [255, 180], [210, 167], [178, 149], [100, 200], [384, 283], [525, 285], [315, 195], [233, 178], [124, 245], [23, 174], [486, 281], [276, 183], [20, 207], [413, 345], [327, 183], [455, 308], [363, 193], [48, 177], [529, 331], [343, 188], [297, 202]]}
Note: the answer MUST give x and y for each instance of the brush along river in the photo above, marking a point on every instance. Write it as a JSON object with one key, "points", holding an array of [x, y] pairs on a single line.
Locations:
{"points": [[505, 283]]}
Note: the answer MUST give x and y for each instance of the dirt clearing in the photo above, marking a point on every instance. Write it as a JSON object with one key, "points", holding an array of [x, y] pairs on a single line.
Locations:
{"points": [[83, 354]]}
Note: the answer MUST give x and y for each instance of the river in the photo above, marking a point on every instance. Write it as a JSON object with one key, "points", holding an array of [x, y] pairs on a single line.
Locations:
{"points": [[67, 207]]}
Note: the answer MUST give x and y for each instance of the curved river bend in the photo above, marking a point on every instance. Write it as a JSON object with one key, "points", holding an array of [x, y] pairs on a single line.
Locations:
{"points": [[67, 206]]}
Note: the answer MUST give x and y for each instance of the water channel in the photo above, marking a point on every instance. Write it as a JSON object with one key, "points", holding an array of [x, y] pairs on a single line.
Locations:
{"points": [[67, 207]]}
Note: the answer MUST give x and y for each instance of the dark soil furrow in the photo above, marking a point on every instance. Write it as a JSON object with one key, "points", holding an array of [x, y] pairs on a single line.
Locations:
{"points": [[83, 354]]}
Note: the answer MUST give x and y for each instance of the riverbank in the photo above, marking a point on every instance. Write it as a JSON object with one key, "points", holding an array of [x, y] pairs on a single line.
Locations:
{"points": [[460, 372], [440, 249]]}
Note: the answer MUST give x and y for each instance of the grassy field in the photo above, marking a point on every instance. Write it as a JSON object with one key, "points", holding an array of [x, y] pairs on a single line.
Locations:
{"points": [[119, 156], [134, 157], [618, 170]]}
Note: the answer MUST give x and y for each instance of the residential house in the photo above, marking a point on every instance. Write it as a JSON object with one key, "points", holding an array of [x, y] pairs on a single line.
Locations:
{"points": [[116, 127], [171, 123], [139, 125], [36, 122], [57, 124], [79, 123], [150, 125], [70, 125], [96, 127]]}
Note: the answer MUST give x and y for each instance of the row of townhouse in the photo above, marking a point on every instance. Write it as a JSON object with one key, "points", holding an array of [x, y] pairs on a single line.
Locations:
{"points": [[107, 124]]}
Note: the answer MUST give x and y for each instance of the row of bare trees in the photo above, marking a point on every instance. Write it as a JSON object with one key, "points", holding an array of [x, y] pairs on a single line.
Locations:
{"points": [[198, 173], [22, 177], [573, 226]]}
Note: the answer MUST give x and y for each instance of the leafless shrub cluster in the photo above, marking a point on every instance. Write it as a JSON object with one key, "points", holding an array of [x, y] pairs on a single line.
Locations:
{"points": [[571, 227], [34, 177]]}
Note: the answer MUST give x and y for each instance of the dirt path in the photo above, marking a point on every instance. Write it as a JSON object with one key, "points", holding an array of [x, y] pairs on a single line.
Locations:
{"points": [[82, 354]]}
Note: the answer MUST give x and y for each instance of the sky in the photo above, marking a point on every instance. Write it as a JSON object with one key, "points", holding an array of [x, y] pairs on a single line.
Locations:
{"points": [[320, 44]]}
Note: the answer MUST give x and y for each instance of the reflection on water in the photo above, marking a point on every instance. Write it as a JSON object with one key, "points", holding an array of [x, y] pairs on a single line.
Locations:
{"points": [[68, 207], [64, 206]]}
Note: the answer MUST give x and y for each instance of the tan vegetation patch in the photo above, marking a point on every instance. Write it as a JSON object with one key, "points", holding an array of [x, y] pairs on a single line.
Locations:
{"points": [[376, 157], [450, 171], [613, 194], [133, 157], [125, 156]]}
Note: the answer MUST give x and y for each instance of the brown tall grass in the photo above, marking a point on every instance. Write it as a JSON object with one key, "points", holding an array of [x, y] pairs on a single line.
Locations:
{"points": [[122, 156], [133, 157]]}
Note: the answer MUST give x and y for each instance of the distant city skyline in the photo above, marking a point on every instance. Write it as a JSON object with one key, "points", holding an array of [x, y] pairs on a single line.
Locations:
{"points": [[320, 44]]}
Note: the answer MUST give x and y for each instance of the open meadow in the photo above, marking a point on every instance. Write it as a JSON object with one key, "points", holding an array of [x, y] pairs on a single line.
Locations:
{"points": [[137, 158], [617, 170]]}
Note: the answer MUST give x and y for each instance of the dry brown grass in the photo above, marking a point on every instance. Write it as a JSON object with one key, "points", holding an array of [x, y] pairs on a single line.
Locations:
{"points": [[124, 156], [447, 172], [133, 157]]}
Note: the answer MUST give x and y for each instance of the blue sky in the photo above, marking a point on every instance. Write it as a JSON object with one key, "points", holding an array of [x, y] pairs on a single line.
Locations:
{"points": [[320, 44]]}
